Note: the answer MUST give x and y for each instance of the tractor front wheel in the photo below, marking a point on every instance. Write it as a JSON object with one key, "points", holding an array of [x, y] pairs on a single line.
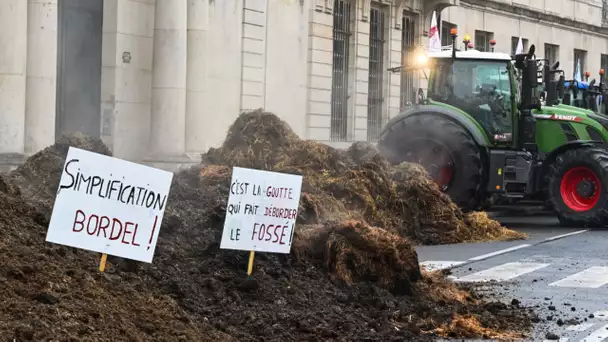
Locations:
{"points": [[577, 187]]}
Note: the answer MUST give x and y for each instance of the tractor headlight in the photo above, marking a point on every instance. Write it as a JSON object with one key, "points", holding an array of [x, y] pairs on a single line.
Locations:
{"points": [[421, 59]]}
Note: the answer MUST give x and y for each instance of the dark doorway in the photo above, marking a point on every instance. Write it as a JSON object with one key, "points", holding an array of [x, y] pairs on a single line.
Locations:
{"points": [[79, 67]]}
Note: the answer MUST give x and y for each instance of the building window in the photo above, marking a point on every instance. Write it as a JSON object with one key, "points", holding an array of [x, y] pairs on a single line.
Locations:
{"points": [[514, 41], [605, 11], [408, 36], [482, 40], [375, 93], [580, 56], [446, 36], [551, 53], [339, 87]]}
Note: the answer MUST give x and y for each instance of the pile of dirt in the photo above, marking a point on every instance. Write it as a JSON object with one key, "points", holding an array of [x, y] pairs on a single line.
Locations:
{"points": [[51, 292], [345, 279], [353, 252], [356, 184], [38, 178]]}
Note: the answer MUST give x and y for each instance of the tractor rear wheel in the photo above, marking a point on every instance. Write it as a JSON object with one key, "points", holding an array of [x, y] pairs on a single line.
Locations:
{"points": [[444, 148], [577, 187]]}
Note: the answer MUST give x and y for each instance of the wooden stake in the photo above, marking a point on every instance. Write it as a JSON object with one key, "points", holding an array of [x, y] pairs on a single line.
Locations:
{"points": [[102, 263], [250, 267]]}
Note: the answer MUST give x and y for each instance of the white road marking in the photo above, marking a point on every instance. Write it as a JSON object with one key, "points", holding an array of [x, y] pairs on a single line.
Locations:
{"points": [[502, 272], [598, 335], [565, 235], [579, 327], [561, 339], [601, 314], [593, 277], [502, 251], [440, 265]]}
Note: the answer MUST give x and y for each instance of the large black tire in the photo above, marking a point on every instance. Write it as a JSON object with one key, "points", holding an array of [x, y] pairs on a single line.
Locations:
{"points": [[562, 197], [466, 187]]}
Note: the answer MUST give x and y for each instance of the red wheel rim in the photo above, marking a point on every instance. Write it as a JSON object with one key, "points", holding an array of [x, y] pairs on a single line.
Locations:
{"points": [[444, 178], [436, 159], [570, 194]]}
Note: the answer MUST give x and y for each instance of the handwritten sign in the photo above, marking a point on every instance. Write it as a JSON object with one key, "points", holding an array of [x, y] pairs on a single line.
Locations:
{"points": [[109, 205], [262, 211]]}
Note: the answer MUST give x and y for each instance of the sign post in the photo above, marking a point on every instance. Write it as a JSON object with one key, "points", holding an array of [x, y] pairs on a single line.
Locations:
{"points": [[102, 263], [250, 266], [109, 205], [261, 213]]}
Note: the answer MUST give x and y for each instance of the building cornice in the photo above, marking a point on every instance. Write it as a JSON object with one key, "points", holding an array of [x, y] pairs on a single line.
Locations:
{"points": [[535, 15]]}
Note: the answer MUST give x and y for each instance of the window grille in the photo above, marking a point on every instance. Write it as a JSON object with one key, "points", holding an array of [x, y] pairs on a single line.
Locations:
{"points": [[375, 94], [408, 34], [339, 87]]}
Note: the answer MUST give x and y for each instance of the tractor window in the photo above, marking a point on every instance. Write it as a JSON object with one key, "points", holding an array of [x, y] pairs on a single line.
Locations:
{"points": [[480, 88]]}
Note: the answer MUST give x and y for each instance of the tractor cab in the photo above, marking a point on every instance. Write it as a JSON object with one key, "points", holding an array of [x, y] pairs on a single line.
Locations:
{"points": [[481, 84]]}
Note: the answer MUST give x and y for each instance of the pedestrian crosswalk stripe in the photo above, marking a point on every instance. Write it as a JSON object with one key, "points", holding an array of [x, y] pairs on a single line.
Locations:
{"points": [[593, 277], [502, 272], [602, 314], [597, 335], [440, 265], [579, 327], [502, 251]]}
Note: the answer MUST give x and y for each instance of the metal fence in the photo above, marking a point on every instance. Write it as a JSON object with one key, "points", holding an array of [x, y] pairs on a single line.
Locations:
{"points": [[375, 95], [408, 28], [339, 87]]}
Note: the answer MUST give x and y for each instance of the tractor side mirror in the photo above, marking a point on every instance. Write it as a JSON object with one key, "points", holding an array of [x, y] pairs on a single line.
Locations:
{"points": [[592, 83], [519, 61], [551, 93], [529, 74], [555, 66], [531, 51], [420, 96], [546, 74]]}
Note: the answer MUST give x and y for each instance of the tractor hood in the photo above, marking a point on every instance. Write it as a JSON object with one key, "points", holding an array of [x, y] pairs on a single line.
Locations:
{"points": [[561, 112], [574, 109], [573, 114]]}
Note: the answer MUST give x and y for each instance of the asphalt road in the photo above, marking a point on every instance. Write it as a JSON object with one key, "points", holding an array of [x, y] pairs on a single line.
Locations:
{"points": [[561, 272]]}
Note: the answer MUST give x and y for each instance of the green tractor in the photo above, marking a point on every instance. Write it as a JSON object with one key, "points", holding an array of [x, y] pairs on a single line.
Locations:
{"points": [[480, 136]]}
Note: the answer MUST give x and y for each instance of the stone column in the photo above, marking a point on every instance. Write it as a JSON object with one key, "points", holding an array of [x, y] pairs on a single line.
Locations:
{"points": [[13, 57], [198, 21], [41, 74], [168, 126]]}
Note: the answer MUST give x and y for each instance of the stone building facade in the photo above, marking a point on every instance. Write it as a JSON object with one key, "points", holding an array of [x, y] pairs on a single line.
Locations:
{"points": [[160, 81]]}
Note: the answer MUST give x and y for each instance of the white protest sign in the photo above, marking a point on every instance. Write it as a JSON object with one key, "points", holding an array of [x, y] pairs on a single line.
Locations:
{"points": [[109, 205], [262, 211]]}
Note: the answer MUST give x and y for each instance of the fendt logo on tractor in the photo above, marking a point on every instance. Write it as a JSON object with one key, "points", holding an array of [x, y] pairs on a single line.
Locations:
{"points": [[558, 117]]}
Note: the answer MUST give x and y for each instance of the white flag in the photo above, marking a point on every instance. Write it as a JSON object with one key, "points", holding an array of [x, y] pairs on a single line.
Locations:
{"points": [[520, 47], [577, 71], [435, 40]]}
